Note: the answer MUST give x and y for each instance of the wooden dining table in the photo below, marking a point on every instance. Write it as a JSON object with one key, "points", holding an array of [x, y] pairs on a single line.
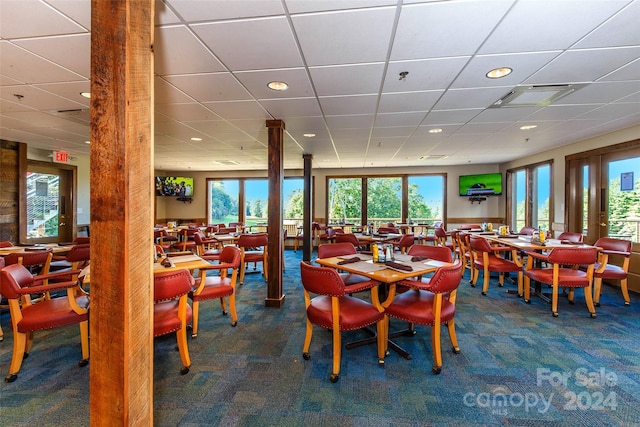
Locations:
{"points": [[55, 248], [388, 275], [526, 243]]}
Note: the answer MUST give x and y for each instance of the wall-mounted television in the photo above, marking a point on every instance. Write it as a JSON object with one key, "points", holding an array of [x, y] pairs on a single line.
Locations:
{"points": [[480, 185], [176, 186]]}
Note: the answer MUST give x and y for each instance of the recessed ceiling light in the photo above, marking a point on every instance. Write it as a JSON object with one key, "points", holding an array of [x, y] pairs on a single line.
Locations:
{"points": [[86, 94], [309, 135], [196, 139], [527, 127], [497, 73], [435, 130], [275, 85]]}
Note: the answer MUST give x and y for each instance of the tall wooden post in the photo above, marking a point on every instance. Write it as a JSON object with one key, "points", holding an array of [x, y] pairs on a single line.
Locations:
{"points": [[275, 297], [121, 315], [307, 213]]}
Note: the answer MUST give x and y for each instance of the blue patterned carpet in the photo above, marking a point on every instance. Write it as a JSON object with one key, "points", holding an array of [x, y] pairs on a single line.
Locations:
{"points": [[519, 366]]}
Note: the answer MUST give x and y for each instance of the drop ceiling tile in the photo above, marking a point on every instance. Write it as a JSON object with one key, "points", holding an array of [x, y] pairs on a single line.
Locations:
{"points": [[408, 101], [70, 51], [210, 87], [252, 44], [445, 29], [347, 79], [178, 51], [33, 18], [345, 105], [345, 37]]}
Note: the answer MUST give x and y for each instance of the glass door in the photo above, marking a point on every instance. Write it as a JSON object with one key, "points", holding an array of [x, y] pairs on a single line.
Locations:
{"points": [[48, 211], [620, 207]]}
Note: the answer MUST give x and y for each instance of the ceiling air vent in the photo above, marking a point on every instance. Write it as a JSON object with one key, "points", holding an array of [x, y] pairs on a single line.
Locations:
{"points": [[433, 157], [536, 95], [225, 162]]}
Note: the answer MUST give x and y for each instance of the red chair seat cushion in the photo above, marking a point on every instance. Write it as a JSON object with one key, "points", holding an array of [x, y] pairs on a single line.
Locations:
{"points": [[49, 314], [214, 287], [165, 317], [613, 272], [568, 277], [499, 265], [416, 306], [253, 256], [354, 313]]}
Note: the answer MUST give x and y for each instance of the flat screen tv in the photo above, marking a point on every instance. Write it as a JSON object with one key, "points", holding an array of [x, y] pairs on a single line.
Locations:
{"points": [[483, 184], [176, 186]]}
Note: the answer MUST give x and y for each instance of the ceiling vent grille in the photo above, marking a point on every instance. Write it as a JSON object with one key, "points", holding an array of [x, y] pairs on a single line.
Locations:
{"points": [[433, 157], [225, 162], [536, 95]]}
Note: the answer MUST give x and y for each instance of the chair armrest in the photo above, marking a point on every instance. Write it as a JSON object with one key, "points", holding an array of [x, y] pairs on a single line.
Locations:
{"points": [[46, 288], [609, 252], [55, 274]]}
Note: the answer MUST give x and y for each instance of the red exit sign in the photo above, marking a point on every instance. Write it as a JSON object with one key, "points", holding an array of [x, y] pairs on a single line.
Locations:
{"points": [[60, 157]]}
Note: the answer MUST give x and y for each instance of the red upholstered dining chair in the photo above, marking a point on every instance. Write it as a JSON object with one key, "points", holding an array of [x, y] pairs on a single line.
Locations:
{"points": [[331, 308], [487, 258], [253, 248], [437, 253], [431, 303], [164, 239], [353, 239], [38, 263], [526, 231], [388, 230], [608, 271], [404, 243], [186, 240], [207, 248], [352, 282], [5, 244], [211, 287], [470, 227], [571, 237], [429, 236], [564, 272], [171, 312], [466, 254], [16, 284]]}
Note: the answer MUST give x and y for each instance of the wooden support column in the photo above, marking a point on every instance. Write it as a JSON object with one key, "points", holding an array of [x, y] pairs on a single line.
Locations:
{"points": [[275, 297], [121, 314], [307, 212]]}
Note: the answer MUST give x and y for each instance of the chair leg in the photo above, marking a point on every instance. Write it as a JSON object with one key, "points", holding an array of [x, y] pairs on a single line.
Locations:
{"points": [[232, 307], [435, 345], [588, 292], [382, 340], [84, 340], [19, 343], [223, 306], [452, 336], [307, 341], [554, 300], [1, 334], [242, 267], [527, 289], [337, 347], [597, 288], [183, 347], [195, 309], [486, 275], [520, 284], [625, 291]]}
